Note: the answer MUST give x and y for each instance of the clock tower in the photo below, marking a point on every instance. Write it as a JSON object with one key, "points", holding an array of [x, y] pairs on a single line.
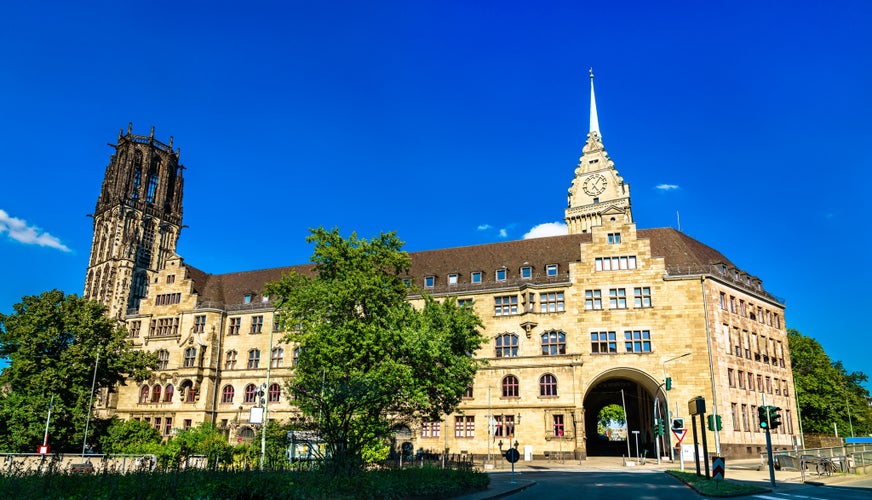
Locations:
{"points": [[597, 192]]}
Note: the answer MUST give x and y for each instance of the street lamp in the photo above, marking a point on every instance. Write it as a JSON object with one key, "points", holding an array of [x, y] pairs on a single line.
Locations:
{"points": [[666, 402]]}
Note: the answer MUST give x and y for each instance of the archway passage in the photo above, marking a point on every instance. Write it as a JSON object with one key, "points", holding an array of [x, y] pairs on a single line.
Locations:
{"points": [[634, 438]]}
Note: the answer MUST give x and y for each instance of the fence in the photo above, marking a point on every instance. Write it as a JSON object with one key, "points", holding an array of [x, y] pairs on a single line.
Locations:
{"points": [[16, 463], [846, 459]]}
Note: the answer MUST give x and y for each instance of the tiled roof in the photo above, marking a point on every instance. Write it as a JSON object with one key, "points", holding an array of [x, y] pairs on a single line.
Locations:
{"points": [[677, 249]]}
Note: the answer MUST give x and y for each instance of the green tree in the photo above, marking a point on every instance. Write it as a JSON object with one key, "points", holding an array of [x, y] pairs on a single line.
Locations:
{"points": [[369, 359], [826, 392], [52, 342], [610, 416], [130, 437]]}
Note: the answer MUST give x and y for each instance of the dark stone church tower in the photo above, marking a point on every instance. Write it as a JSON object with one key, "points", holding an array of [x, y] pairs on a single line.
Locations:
{"points": [[137, 221]]}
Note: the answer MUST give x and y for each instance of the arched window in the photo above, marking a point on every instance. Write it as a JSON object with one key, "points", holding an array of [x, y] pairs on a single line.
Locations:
{"points": [[553, 343], [227, 394], [278, 357], [152, 187], [507, 345], [510, 386], [246, 434], [275, 393], [168, 393], [155, 393], [254, 358], [143, 394], [250, 393], [188, 391], [548, 385]]}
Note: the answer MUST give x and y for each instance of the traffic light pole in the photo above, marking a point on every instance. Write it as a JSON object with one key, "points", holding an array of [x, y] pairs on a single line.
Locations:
{"points": [[769, 453]]}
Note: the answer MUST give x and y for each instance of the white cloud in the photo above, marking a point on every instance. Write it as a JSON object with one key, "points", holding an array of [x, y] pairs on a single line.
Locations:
{"points": [[503, 233], [21, 232], [667, 187], [547, 229], [484, 227]]}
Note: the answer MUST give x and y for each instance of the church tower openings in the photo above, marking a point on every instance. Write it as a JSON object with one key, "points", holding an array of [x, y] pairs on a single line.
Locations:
{"points": [[597, 192], [136, 222]]}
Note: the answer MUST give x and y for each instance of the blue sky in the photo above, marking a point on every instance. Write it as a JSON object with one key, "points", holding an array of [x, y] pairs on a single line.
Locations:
{"points": [[453, 123]]}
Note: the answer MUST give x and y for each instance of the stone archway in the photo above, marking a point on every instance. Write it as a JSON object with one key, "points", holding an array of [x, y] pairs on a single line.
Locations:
{"points": [[639, 394]]}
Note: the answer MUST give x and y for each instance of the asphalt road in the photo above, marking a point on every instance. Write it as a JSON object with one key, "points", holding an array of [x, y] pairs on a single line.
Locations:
{"points": [[637, 485]]}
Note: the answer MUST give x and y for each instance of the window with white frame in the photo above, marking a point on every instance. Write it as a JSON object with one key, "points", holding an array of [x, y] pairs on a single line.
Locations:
{"points": [[526, 272], [501, 275], [429, 281], [464, 427], [614, 238], [551, 270], [553, 343], [452, 279], [475, 277]]}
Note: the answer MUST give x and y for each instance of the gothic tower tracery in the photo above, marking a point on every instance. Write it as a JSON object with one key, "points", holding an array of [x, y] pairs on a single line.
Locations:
{"points": [[137, 220], [597, 192]]}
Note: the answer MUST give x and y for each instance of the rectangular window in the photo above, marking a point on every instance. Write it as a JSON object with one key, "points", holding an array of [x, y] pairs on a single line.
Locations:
{"points": [[551, 270], [464, 427], [641, 297], [134, 328], [745, 425], [551, 302], [430, 429], [429, 281], [501, 275], [505, 426], [614, 238], [593, 299], [256, 324], [742, 310], [157, 422], [247, 298], [617, 298], [603, 343], [235, 324], [277, 323], [199, 324], [769, 385], [723, 301], [467, 394], [730, 377], [732, 304], [760, 387], [168, 426], [637, 340], [506, 305], [558, 425], [171, 278], [475, 277], [187, 424], [750, 381], [615, 263], [741, 379], [466, 303], [190, 357], [734, 409], [253, 358], [452, 279], [526, 272]]}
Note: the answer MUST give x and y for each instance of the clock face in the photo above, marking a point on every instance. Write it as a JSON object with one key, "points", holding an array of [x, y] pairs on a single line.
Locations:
{"points": [[594, 185]]}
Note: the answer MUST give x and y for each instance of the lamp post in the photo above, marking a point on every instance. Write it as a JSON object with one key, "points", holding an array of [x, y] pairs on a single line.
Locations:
{"points": [[266, 404], [90, 401], [666, 403]]}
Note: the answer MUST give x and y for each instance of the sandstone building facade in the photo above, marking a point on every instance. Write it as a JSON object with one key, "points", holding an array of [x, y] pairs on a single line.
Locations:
{"points": [[599, 316]]}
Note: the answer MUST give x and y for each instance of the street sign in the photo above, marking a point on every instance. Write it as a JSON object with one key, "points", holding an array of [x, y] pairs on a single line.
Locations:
{"points": [[679, 434], [718, 468], [512, 455], [42, 449], [492, 427]]}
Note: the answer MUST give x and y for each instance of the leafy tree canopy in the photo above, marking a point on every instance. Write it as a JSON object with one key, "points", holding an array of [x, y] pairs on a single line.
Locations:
{"points": [[369, 359], [52, 342], [609, 416], [826, 392]]}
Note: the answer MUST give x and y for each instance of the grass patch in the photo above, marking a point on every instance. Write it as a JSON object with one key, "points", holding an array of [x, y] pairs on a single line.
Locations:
{"points": [[712, 488], [419, 483]]}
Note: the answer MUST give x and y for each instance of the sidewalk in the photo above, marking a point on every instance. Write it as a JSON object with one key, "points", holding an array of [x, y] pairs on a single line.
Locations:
{"points": [[745, 471]]}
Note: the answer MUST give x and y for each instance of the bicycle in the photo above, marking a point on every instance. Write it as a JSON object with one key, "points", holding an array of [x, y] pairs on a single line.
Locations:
{"points": [[825, 467]]}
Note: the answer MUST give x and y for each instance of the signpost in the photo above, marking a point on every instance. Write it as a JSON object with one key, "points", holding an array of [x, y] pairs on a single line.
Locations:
{"points": [[718, 468], [679, 434], [512, 455]]}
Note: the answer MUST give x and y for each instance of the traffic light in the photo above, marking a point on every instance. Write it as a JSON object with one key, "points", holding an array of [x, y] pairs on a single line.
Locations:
{"points": [[763, 416], [714, 422], [658, 427], [774, 417], [678, 423], [668, 383]]}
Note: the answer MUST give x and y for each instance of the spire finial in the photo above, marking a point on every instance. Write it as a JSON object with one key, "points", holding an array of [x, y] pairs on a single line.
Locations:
{"points": [[594, 120]]}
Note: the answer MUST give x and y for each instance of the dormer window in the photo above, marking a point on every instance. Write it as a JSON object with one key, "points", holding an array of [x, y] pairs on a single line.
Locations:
{"points": [[501, 274], [526, 272], [429, 281], [247, 298], [452, 279], [551, 270], [407, 282], [475, 277]]}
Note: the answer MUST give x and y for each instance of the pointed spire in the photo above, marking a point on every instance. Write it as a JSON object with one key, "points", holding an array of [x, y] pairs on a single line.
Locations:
{"points": [[594, 120]]}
